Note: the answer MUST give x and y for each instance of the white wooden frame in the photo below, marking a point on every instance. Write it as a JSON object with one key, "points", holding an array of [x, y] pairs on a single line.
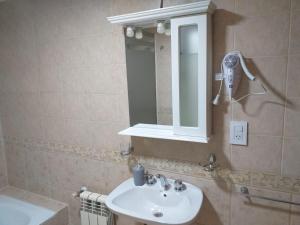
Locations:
{"points": [[204, 75], [150, 17]]}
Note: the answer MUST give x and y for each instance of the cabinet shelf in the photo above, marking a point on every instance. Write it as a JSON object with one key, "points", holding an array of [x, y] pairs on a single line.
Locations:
{"points": [[161, 132]]}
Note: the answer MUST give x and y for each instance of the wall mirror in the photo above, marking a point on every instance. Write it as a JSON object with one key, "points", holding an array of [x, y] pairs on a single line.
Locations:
{"points": [[168, 60], [149, 78]]}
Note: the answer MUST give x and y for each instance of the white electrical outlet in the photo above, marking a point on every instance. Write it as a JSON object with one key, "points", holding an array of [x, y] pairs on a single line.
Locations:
{"points": [[238, 132]]}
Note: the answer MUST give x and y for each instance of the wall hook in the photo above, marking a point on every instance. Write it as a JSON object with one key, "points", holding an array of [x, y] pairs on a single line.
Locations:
{"points": [[212, 163]]}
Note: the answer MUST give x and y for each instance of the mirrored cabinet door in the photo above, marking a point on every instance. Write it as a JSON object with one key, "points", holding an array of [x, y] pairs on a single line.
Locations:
{"points": [[191, 75]]}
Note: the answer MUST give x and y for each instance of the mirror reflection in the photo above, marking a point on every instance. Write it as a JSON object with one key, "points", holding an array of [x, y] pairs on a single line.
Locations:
{"points": [[148, 61]]}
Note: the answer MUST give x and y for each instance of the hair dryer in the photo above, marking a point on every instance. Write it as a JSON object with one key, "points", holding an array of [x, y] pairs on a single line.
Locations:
{"points": [[232, 74], [231, 69]]}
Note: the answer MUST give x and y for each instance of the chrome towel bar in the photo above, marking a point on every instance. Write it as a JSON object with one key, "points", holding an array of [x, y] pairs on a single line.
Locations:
{"points": [[245, 192]]}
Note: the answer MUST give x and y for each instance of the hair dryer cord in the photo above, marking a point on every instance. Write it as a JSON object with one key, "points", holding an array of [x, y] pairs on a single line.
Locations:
{"points": [[252, 93]]}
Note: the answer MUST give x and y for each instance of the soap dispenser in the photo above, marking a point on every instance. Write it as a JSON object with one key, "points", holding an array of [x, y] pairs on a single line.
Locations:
{"points": [[138, 175]]}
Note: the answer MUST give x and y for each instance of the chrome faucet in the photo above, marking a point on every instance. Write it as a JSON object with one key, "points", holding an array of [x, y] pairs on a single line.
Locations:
{"points": [[163, 181]]}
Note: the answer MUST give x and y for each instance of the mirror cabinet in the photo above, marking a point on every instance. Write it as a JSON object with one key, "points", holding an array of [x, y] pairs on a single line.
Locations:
{"points": [[169, 60]]}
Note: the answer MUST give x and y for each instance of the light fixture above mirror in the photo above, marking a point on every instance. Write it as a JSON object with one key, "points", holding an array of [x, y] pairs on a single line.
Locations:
{"points": [[162, 27]]}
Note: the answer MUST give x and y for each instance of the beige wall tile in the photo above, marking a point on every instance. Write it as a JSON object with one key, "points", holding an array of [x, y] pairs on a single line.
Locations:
{"points": [[78, 132], [263, 153], [72, 52], [10, 126], [65, 170], [264, 115], [147, 146], [22, 79], [263, 36], [37, 167], [65, 195], [10, 103], [47, 18], [76, 172], [3, 181], [220, 119], [186, 151], [104, 107], [216, 205], [116, 44], [7, 81], [3, 166], [295, 211], [3, 171], [293, 80], [225, 4], [292, 121], [60, 217], [49, 79], [76, 106], [124, 220], [121, 173], [111, 79], [271, 71], [92, 18], [217, 61], [23, 127], [48, 52], [51, 104], [259, 212], [28, 78], [69, 87], [16, 166], [55, 129], [74, 78], [295, 5], [295, 33], [255, 8], [223, 30], [290, 157], [118, 7], [70, 17], [104, 133], [104, 78]]}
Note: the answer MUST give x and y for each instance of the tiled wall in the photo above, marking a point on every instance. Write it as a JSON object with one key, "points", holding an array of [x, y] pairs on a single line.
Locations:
{"points": [[63, 99], [3, 172]]}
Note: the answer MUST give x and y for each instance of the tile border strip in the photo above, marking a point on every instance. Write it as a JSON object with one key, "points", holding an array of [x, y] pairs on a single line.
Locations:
{"points": [[240, 177]]}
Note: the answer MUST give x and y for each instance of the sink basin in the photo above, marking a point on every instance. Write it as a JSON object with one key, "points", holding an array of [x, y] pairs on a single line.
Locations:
{"points": [[152, 204]]}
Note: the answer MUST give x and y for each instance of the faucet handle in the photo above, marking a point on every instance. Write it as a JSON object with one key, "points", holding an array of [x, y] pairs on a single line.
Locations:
{"points": [[179, 185], [158, 175], [150, 179]]}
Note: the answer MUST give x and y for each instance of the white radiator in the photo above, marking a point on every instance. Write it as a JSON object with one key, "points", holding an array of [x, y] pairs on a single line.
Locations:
{"points": [[93, 210]]}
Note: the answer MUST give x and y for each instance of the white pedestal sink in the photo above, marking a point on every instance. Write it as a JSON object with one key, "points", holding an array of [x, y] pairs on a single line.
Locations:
{"points": [[153, 205]]}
